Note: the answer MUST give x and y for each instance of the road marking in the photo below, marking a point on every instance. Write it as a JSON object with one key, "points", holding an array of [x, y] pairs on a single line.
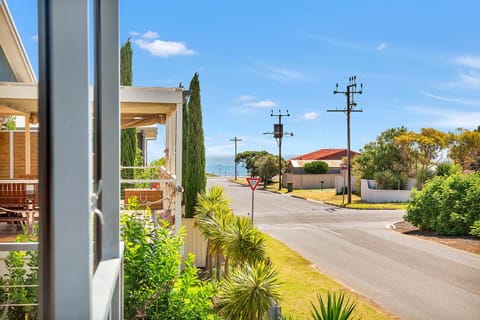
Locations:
{"points": [[331, 231]]}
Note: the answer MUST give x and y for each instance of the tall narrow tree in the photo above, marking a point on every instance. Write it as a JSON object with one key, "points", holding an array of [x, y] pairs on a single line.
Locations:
{"points": [[195, 149], [129, 136], [185, 161]]}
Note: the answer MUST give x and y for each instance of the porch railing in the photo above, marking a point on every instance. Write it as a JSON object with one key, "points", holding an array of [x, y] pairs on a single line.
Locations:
{"points": [[107, 285]]}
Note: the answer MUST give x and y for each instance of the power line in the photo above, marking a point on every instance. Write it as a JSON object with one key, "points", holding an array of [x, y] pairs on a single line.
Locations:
{"points": [[278, 135], [236, 162], [350, 91]]}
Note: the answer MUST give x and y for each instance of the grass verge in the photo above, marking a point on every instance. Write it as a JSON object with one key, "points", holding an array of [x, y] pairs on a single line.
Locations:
{"points": [[302, 282], [328, 196]]}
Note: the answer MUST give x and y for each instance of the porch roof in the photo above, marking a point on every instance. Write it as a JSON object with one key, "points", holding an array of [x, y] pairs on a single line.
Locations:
{"points": [[140, 106]]}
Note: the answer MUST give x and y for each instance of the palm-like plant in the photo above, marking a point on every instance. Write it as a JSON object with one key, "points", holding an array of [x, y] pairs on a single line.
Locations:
{"points": [[242, 242], [249, 292], [336, 308], [213, 215]]}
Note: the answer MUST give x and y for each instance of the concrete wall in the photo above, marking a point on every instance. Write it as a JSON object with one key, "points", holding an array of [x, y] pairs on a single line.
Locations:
{"points": [[309, 181], [339, 182], [369, 193]]}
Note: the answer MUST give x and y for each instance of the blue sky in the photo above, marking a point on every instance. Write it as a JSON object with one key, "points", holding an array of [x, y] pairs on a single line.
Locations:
{"points": [[419, 62]]}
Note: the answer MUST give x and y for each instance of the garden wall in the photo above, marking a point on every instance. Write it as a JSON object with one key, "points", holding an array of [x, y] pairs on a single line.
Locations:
{"points": [[369, 193]]}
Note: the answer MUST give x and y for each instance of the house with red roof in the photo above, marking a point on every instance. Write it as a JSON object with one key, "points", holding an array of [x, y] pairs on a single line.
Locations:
{"points": [[335, 158]]}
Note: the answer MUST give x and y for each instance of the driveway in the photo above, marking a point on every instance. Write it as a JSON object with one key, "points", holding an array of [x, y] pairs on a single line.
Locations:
{"points": [[409, 277]]}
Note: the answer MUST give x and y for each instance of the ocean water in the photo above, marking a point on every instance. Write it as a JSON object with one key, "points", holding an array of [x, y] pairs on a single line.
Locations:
{"points": [[223, 165], [227, 170]]}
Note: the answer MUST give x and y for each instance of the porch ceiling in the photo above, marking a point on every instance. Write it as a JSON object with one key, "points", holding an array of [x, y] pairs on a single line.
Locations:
{"points": [[139, 105]]}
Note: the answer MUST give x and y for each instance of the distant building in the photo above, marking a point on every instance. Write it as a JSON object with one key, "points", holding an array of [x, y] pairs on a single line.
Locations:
{"points": [[333, 157]]}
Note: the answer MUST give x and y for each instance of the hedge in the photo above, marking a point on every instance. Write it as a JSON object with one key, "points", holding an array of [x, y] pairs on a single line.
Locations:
{"points": [[447, 205]]}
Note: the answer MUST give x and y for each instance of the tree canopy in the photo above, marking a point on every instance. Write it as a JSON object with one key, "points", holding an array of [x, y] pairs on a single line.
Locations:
{"points": [[267, 166]]}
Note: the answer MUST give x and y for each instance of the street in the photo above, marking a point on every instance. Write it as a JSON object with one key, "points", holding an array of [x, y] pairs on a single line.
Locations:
{"points": [[409, 277]]}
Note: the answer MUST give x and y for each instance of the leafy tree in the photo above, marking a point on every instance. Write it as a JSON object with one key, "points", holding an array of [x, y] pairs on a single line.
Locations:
{"points": [[382, 155], [319, 167], [248, 160], [465, 149], [424, 146], [267, 167], [249, 292], [195, 178], [128, 136]]}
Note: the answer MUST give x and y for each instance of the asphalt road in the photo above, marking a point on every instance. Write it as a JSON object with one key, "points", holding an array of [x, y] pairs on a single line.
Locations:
{"points": [[410, 278]]}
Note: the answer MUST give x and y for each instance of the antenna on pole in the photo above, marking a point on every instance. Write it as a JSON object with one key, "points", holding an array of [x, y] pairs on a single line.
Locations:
{"points": [[350, 92], [235, 159], [278, 135]]}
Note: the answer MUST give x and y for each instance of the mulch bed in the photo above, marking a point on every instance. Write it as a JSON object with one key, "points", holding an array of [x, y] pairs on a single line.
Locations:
{"points": [[466, 243]]}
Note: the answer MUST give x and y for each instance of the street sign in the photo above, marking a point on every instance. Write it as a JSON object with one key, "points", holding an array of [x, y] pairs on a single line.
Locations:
{"points": [[253, 183]]}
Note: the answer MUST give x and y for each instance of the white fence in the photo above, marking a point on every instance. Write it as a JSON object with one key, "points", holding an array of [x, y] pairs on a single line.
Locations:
{"points": [[371, 194]]}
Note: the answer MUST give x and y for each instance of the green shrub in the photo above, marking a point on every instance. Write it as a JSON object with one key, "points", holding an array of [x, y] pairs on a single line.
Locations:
{"points": [[20, 282], [475, 229], [318, 167], [447, 205], [154, 286]]}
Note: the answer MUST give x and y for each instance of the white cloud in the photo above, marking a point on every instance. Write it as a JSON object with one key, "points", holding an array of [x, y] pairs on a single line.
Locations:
{"points": [[448, 118], [133, 34], [149, 35], [466, 81], [310, 115], [261, 104], [468, 61], [382, 46], [280, 74], [467, 102], [164, 49], [245, 98]]}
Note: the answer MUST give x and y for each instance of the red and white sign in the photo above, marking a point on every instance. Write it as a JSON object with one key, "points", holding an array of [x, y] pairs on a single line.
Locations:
{"points": [[253, 183]]}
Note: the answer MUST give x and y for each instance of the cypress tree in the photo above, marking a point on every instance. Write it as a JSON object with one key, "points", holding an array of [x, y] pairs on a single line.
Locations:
{"points": [[129, 136], [195, 152], [184, 142]]}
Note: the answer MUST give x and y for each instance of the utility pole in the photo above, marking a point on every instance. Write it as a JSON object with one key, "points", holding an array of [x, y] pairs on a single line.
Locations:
{"points": [[235, 159], [278, 135], [350, 92]]}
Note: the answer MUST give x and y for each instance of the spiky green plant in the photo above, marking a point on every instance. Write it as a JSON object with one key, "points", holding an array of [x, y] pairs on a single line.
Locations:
{"points": [[243, 242], [249, 292], [335, 308], [213, 216]]}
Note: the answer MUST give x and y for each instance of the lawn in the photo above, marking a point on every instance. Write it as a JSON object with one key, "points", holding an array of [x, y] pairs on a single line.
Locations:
{"points": [[329, 196], [302, 282]]}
